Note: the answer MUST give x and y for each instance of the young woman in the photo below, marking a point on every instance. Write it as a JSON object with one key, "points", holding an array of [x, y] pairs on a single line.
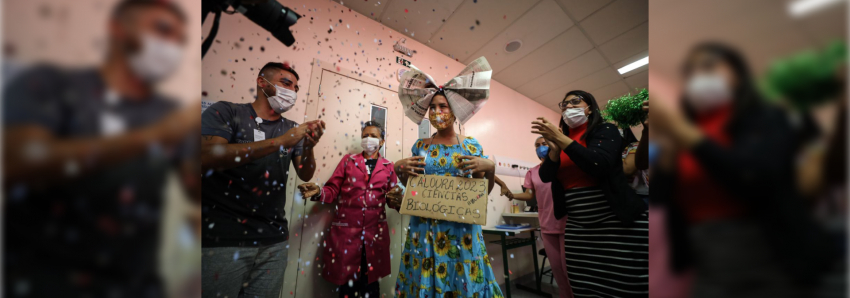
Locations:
{"points": [[357, 252], [551, 228], [444, 258], [606, 234], [726, 178]]}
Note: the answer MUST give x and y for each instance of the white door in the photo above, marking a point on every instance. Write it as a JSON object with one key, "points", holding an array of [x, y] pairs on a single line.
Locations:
{"points": [[344, 102]]}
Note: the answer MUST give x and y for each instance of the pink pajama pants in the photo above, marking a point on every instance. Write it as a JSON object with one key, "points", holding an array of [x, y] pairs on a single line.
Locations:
{"points": [[554, 246]]}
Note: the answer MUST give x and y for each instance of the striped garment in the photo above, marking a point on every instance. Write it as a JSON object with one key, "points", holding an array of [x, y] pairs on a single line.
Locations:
{"points": [[604, 257]]}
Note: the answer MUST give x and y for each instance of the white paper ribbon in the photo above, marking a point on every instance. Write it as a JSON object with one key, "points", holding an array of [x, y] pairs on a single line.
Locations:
{"points": [[466, 93]]}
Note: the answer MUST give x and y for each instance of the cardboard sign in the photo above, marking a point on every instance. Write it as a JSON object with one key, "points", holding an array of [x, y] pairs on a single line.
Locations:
{"points": [[446, 198]]}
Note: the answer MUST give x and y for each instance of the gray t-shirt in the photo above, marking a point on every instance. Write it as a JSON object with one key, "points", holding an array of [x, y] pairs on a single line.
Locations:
{"points": [[244, 206], [107, 221]]}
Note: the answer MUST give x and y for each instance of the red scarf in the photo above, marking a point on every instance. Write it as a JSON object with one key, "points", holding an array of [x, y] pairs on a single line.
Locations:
{"points": [[569, 174], [701, 197]]}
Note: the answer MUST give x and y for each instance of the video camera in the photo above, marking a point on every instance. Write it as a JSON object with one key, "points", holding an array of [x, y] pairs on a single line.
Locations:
{"points": [[269, 14]]}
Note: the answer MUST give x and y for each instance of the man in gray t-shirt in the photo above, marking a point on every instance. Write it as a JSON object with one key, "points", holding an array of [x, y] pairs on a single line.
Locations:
{"points": [[246, 151], [86, 155]]}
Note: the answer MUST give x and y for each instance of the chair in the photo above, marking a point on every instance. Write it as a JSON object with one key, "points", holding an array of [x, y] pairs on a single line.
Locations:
{"points": [[542, 252]]}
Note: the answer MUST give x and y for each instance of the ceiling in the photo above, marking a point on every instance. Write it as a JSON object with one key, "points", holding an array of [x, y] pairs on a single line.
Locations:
{"points": [[566, 44], [762, 30]]}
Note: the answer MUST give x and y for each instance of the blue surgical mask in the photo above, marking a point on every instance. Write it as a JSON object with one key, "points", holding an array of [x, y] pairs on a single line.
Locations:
{"points": [[653, 152], [542, 151]]}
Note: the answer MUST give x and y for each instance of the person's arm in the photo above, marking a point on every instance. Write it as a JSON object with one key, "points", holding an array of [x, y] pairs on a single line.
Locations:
{"points": [[490, 174], [411, 166], [33, 154], [217, 154], [834, 165], [477, 163], [304, 160], [642, 152], [333, 186], [505, 191], [528, 195], [629, 167], [393, 183], [602, 153], [554, 136], [755, 162], [305, 164]]}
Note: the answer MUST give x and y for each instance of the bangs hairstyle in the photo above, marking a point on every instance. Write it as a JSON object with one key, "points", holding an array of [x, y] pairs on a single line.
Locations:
{"points": [[124, 7], [593, 120]]}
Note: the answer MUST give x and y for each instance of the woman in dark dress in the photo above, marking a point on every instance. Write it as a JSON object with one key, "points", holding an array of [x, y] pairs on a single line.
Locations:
{"points": [[726, 178], [605, 239]]}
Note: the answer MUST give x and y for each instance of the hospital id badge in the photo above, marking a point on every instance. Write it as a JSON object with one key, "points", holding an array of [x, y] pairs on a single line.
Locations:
{"points": [[259, 135]]}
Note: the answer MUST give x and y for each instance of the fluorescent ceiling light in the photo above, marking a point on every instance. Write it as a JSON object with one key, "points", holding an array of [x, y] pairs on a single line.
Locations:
{"points": [[800, 8], [634, 65]]}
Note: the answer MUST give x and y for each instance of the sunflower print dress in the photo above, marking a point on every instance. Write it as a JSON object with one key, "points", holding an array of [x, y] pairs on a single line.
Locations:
{"points": [[445, 258]]}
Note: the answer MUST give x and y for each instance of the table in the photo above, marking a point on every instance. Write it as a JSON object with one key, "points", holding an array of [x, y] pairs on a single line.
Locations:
{"points": [[521, 214], [517, 243]]}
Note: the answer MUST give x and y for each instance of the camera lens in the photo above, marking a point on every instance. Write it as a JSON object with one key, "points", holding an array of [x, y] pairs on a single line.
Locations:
{"points": [[273, 17]]}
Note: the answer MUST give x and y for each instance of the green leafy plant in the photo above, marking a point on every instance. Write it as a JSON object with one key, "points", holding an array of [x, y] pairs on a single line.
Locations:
{"points": [[627, 110], [807, 78]]}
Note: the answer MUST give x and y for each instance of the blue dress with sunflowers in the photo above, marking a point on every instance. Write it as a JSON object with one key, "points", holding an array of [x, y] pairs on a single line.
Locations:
{"points": [[445, 258]]}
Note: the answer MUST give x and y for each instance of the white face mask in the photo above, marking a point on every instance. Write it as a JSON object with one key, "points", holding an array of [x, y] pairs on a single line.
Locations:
{"points": [[283, 100], [157, 58], [707, 91], [370, 145], [574, 117]]}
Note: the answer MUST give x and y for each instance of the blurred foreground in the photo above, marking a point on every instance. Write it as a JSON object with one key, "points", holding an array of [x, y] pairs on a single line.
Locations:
{"points": [[100, 124], [749, 130]]}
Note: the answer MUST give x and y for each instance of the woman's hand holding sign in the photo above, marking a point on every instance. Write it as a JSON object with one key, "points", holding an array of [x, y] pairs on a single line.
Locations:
{"points": [[409, 167], [474, 164]]}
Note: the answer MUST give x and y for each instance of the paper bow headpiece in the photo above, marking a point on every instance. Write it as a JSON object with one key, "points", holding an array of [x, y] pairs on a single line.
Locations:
{"points": [[466, 93]]}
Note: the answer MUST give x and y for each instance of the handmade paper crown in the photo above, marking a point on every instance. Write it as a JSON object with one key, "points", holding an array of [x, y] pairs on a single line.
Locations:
{"points": [[466, 93]]}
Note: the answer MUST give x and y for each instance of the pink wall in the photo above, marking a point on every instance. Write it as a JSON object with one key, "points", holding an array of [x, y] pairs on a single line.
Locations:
{"points": [[364, 46], [73, 34]]}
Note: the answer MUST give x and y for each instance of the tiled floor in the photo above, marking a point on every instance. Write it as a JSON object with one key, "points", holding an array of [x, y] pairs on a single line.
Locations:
{"points": [[517, 293], [545, 286]]}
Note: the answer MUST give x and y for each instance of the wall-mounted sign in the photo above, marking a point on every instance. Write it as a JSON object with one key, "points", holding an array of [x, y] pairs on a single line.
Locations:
{"points": [[402, 61]]}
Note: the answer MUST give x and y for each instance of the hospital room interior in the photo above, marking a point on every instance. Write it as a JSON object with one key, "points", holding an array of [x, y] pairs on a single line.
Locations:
{"points": [[424, 148], [350, 55]]}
